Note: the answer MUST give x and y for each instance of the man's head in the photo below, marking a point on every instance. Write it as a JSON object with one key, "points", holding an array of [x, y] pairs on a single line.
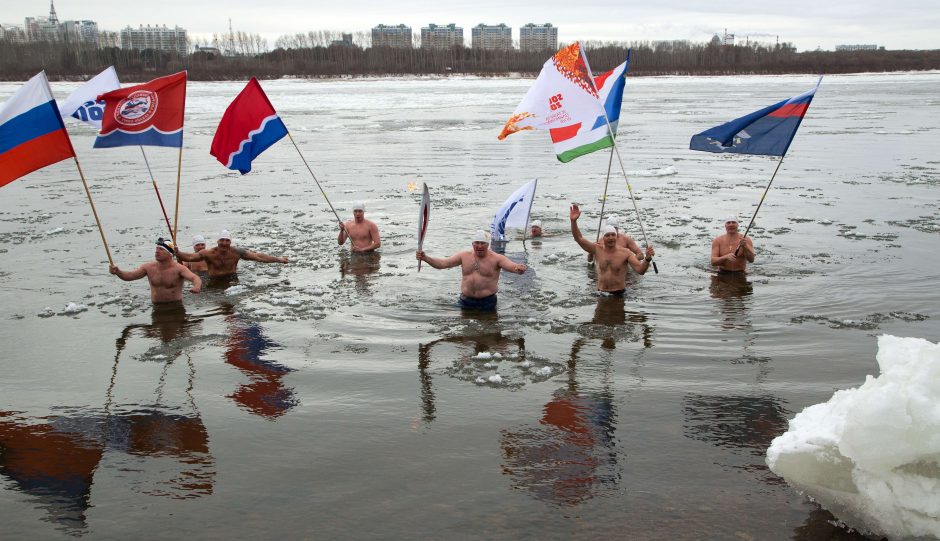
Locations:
{"points": [[165, 250], [359, 211], [481, 243], [609, 236], [731, 224], [536, 228], [199, 243], [225, 240], [614, 222]]}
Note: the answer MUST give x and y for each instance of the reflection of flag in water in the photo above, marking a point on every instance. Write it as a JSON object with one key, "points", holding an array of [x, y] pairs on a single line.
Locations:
{"points": [[265, 395], [55, 467], [83, 103], [767, 132], [580, 139], [515, 211], [32, 134], [562, 98], [249, 126], [148, 114]]}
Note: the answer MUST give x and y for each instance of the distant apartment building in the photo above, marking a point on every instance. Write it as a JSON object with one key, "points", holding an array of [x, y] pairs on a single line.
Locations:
{"points": [[391, 36], [106, 38], [346, 41], [856, 47], [491, 37], [538, 37], [12, 33], [159, 38], [84, 31], [441, 37]]}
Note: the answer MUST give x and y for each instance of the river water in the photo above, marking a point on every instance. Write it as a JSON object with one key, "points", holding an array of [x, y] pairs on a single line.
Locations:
{"points": [[347, 397]]}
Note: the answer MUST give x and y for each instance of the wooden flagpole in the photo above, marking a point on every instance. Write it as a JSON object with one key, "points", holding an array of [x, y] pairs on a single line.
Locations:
{"points": [[159, 199], [318, 183], [176, 215], [754, 216], [93, 211]]}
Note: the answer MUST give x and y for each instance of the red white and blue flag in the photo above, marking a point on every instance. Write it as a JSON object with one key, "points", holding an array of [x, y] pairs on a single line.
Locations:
{"points": [[32, 134], [149, 114], [767, 132], [249, 126]]}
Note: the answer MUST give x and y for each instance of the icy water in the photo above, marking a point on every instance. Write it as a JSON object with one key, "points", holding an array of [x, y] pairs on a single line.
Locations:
{"points": [[346, 397]]}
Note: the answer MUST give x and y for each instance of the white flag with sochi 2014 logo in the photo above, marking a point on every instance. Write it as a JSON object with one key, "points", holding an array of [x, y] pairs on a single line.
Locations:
{"points": [[514, 212], [82, 104]]}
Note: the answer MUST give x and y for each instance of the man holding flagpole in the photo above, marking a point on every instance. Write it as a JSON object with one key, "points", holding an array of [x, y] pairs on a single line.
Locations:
{"points": [[481, 268], [732, 252], [611, 259], [165, 275], [222, 261], [363, 234]]}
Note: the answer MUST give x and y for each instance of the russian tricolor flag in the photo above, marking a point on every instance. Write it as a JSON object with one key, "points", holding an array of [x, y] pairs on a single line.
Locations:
{"points": [[767, 132], [32, 134], [249, 126]]}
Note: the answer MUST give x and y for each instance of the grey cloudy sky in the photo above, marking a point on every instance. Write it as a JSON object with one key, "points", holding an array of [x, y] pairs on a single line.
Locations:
{"points": [[906, 24]]}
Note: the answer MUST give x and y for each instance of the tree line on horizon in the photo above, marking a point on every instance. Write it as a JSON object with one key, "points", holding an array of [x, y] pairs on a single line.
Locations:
{"points": [[65, 61]]}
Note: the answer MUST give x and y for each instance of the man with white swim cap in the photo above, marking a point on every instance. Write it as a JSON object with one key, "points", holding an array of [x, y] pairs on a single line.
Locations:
{"points": [[481, 267], [222, 261], [199, 244], [363, 233], [732, 251], [611, 260], [165, 275], [535, 228], [622, 239]]}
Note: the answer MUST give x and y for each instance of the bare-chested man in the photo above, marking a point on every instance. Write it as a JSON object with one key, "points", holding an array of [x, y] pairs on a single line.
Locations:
{"points": [[363, 233], [222, 261], [481, 268], [612, 260], [165, 275], [725, 253], [622, 239], [199, 244]]}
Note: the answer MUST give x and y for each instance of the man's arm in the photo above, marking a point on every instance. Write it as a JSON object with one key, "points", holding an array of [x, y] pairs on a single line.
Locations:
{"points": [[259, 257], [192, 277], [376, 239], [585, 244], [716, 259], [640, 266], [341, 239], [747, 250], [510, 265], [437, 263], [128, 276], [190, 258]]}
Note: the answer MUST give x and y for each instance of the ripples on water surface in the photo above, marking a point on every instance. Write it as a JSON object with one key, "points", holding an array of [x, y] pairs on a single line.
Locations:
{"points": [[346, 397]]}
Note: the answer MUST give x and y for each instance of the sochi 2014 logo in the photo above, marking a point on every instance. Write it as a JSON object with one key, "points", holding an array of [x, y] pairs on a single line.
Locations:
{"points": [[136, 108]]}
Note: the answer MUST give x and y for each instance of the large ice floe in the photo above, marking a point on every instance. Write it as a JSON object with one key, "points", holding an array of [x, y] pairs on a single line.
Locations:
{"points": [[871, 455]]}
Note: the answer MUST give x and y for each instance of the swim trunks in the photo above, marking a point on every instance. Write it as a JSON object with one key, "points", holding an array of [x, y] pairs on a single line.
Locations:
{"points": [[618, 293], [483, 303]]}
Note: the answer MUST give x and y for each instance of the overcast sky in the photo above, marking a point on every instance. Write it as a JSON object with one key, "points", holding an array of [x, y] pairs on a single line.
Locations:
{"points": [[808, 24]]}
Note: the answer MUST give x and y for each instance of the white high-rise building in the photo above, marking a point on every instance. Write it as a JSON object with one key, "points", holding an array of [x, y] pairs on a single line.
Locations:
{"points": [[491, 37], [441, 37], [538, 37], [391, 36], [159, 38]]}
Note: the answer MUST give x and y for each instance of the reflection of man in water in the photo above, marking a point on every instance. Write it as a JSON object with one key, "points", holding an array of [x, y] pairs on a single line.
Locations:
{"points": [[222, 261], [199, 244], [165, 275], [732, 251], [363, 233], [612, 260], [481, 267]]}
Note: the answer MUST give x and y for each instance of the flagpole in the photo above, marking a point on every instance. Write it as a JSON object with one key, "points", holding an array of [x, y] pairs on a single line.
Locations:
{"points": [[529, 213], [179, 173], [160, 199], [600, 222], [753, 216], [318, 183], [93, 211], [610, 132]]}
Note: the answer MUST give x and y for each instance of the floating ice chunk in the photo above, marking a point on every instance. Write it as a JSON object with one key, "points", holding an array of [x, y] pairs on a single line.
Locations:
{"points": [[46, 312], [544, 371], [490, 365], [483, 355], [480, 381], [497, 355], [826, 222], [236, 290], [525, 364], [54, 231], [294, 302], [73, 308], [532, 320], [314, 291], [495, 378], [869, 454]]}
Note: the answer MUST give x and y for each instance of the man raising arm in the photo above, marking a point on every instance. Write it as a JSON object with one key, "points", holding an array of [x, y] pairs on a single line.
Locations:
{"points": [[165, 275]]}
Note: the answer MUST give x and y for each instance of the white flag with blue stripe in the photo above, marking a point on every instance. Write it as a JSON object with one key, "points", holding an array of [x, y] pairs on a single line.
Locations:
{"points": [[514, 212]]}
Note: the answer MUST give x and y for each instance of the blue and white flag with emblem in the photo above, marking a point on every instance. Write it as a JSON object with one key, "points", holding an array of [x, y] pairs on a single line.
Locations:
{"points": [[514, 212], [82, 104]]}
